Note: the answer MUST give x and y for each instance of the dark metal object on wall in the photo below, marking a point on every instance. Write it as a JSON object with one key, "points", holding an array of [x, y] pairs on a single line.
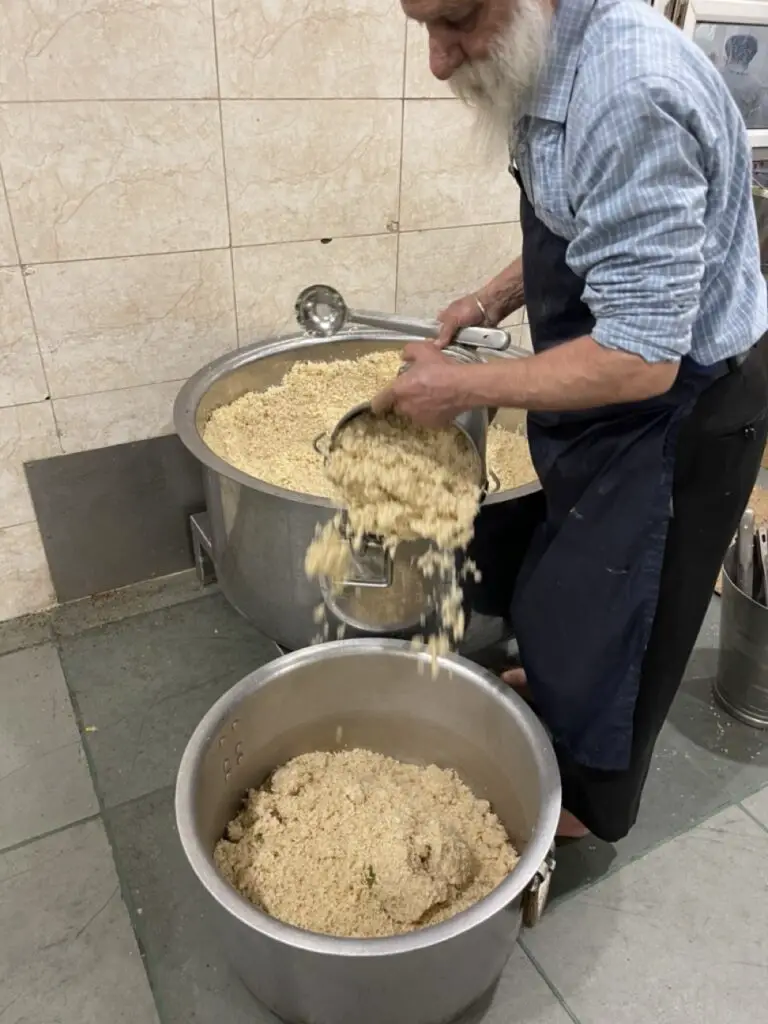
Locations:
{"points": [[117, 515]]}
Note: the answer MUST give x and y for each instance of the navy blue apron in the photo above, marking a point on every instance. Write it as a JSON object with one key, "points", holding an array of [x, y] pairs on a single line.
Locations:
{"points": [[587, 591]]}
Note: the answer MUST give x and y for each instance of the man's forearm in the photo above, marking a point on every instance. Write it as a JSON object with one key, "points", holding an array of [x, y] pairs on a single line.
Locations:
{"points": [[578, 374], [504, 293]]}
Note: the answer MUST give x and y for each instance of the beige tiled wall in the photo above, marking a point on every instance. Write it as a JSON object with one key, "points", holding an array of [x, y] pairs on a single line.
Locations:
{"points": [[174, 173]]}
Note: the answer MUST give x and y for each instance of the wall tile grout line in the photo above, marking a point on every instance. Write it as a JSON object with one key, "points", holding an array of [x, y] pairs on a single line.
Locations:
{"points": [[550, 985], [259, 245], [101, 391], [21, 522], [4, 198], [229, 99], [226, 175], [53, 831], [404, 82]]}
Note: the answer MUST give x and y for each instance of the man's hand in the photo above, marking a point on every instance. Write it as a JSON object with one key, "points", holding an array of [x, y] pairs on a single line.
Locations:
{"points": [[463, 312], [429, 392]]}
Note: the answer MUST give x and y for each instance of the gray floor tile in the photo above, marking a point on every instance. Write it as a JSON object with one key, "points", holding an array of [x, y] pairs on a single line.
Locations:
{"points": [[142, 685], [678, 936], [147, 596], [757, 806], [67, 952], [734, 755], [523, 996], [678, 795], [44, 778], [192, 981]]}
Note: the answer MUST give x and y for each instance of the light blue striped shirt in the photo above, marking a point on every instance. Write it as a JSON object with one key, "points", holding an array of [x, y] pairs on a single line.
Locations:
{"points": [[633, 150]]}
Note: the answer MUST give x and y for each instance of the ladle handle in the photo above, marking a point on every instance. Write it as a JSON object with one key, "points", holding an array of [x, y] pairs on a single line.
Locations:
{"points": [[494, 338]]}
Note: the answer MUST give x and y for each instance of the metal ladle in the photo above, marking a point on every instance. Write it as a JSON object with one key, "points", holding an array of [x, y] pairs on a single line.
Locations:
{"points": [[322, 311]]}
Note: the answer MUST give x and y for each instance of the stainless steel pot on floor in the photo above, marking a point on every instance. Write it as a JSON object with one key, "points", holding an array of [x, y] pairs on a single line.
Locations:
{"points": [[381, 695]]}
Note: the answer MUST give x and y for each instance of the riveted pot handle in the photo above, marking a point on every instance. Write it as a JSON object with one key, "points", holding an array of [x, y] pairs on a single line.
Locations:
{"points": [[536, 894]]}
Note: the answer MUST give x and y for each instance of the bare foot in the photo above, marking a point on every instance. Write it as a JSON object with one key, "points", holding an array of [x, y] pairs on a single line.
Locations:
{"points": [[515, 677], [569, 826]]}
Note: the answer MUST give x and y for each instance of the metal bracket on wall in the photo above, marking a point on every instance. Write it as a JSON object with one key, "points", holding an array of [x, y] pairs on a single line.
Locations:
{"points": [[202, 548]]}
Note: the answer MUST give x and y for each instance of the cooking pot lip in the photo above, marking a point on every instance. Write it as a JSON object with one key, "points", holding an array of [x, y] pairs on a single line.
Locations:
{"points": [[530, 861], [192, 392]]}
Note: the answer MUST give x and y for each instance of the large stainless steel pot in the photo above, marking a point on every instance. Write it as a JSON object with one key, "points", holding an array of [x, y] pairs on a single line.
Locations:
{"points": [[379, 695], [259, 533]]}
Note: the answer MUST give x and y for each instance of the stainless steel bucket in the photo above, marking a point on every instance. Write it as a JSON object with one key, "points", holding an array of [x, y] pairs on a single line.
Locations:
{"points": [[259, 533], [381, 695], [741, 685]]}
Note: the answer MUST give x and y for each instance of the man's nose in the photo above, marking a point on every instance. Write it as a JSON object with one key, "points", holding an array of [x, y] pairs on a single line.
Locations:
{"points": [[445, 54]]}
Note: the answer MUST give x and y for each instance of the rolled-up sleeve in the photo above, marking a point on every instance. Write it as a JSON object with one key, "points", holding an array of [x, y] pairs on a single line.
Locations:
{"points": [[638, 191]]}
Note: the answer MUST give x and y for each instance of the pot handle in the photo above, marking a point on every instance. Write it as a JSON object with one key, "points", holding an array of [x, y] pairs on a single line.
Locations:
{"points": [[536, 894]]}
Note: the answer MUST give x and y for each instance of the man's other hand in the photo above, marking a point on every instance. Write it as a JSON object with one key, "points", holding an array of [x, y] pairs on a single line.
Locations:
{"points": [[429, 392]]}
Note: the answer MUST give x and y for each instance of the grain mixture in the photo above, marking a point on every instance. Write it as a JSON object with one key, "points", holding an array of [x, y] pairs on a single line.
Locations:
{"points": [[270, 434], [398, 483], [359, 845], [403, 482]]}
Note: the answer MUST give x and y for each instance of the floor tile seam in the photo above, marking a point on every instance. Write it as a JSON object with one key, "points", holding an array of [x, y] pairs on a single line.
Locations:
{"points": [[37, 642], [122, 877], [121, 805], [548, 981], [70, 632], [40, 836], [134, 917], [754, 818]]}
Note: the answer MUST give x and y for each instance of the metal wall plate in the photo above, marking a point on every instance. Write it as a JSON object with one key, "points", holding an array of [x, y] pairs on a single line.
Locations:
{"points": [[116, 515]]}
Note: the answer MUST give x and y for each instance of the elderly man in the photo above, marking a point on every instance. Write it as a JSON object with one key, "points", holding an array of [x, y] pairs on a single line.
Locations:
{"points": [[647, 395]]}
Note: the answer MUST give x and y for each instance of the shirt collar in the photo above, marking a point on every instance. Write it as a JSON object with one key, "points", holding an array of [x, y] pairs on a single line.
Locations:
{"points": [[553, 91]]}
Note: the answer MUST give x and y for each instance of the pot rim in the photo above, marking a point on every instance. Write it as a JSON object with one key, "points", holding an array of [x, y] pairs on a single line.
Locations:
{"points": [[247, 914], [199, 384]]}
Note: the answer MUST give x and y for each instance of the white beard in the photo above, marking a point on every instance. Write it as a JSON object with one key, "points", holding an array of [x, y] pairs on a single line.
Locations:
{"points": [[498, 87]]}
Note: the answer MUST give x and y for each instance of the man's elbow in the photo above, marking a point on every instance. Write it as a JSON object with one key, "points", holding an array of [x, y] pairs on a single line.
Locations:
{"points": [[633, 377], [649, 380]]}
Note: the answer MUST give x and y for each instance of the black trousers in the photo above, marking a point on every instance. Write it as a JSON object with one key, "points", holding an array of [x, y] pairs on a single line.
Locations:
{"points": [[717, 461]]}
